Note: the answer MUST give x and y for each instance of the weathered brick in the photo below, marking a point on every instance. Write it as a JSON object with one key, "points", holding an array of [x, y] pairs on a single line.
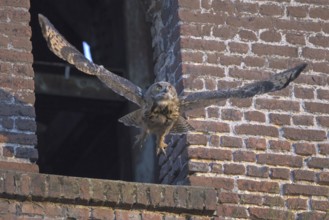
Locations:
{"points": [[295, 38], [280, 173], [273, 201], [323, 178], [270, 36], [255, 116], [228, 197], [303, 120], [247, 156], [195, 166], [304, 149], [279, 145], [319, 12], [255, 143], [268, 213], [231, 114], [232, 211], [256, 171], [320, 205], [271, 10], [284, 105], [209, 153], [279, 119], [317, 162], [217, 182], [233, 142], [306, 190], [251, 199], [297, 11], [311, 215], [280, 159], [270, 50], [257, 130], [258, 186], [304, 175], [324, 149], [296, 203], [234, 169], [304, 134], [210, 126]]}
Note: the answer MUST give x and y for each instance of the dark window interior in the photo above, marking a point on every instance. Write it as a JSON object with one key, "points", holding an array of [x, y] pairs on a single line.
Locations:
{"points": [[77, 127]]}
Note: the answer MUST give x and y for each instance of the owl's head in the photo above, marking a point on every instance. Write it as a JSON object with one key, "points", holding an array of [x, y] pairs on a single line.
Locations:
{"points": [[161, 91]]}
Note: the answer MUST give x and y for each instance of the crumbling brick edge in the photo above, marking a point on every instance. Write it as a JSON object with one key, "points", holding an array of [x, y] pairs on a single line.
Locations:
{"points": [[38, 187]]}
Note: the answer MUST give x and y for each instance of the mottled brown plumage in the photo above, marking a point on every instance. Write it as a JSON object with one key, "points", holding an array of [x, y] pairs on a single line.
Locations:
{"points": [[160, 107]]}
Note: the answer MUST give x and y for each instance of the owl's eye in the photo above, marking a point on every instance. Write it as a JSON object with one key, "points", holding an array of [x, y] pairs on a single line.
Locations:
{"points": [[158, 87]]}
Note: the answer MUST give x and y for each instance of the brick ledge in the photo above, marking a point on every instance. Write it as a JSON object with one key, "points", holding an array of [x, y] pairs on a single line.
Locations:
{"points": [[109, 193]]}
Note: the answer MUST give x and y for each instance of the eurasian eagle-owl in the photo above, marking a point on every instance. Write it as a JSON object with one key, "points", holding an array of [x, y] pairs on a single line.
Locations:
{"points": [[160, 106]]}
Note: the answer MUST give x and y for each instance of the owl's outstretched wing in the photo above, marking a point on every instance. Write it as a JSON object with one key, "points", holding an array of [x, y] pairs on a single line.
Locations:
{"points": [[64, 50], [276, 82]]}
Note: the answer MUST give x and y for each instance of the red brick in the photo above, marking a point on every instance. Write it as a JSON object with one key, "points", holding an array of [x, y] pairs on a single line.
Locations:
{"points": [[127, 214], [311, 215], [319, 12], [240, 48], [304, 175], [295, 38], [324, 149], [319, 40], [202, 70], [192, 56], [254, 61], [320, 205], [314, 53], [255, 116], [272, 104], [273, 201], [280, 173], [246, 8], [317, 162], [102, 213], [247, 156], [304, 134], [152, 215], [195, 30], [304, 149], [225, 32], [304, 93], [256, 143], [248, 74], [323, 94], [232, 211], [279, 119], [247, 35], [280, 160], [270, 50], [209, 153], [256, 171], [228, 197], [251, 199], [229, 60], [32, 209], [268, 213], [217, 182], [257, 130], [303, 120], [232, 142], [234, 169], [241, 103], [296, 203], [196, 139], [270, 36], [271, 10], [306, 190], [299, 12], [187, 15], [210, 126], [231, 114], [320, 67], [323, 178], [279, 145], [314, 107], [258, 186], [194, 166]]}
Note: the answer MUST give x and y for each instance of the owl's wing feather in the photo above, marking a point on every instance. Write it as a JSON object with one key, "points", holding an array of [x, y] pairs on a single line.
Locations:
{"points": [[64, 50], [276, 82], [181, 126]]}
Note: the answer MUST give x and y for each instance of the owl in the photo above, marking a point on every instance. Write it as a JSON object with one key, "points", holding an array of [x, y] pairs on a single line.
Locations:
{"points": [[160, 108]]}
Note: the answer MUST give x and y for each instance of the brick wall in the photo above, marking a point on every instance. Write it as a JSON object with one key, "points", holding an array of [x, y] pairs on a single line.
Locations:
{"points": [[39, 196], [267, 155], [17, 116]]}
